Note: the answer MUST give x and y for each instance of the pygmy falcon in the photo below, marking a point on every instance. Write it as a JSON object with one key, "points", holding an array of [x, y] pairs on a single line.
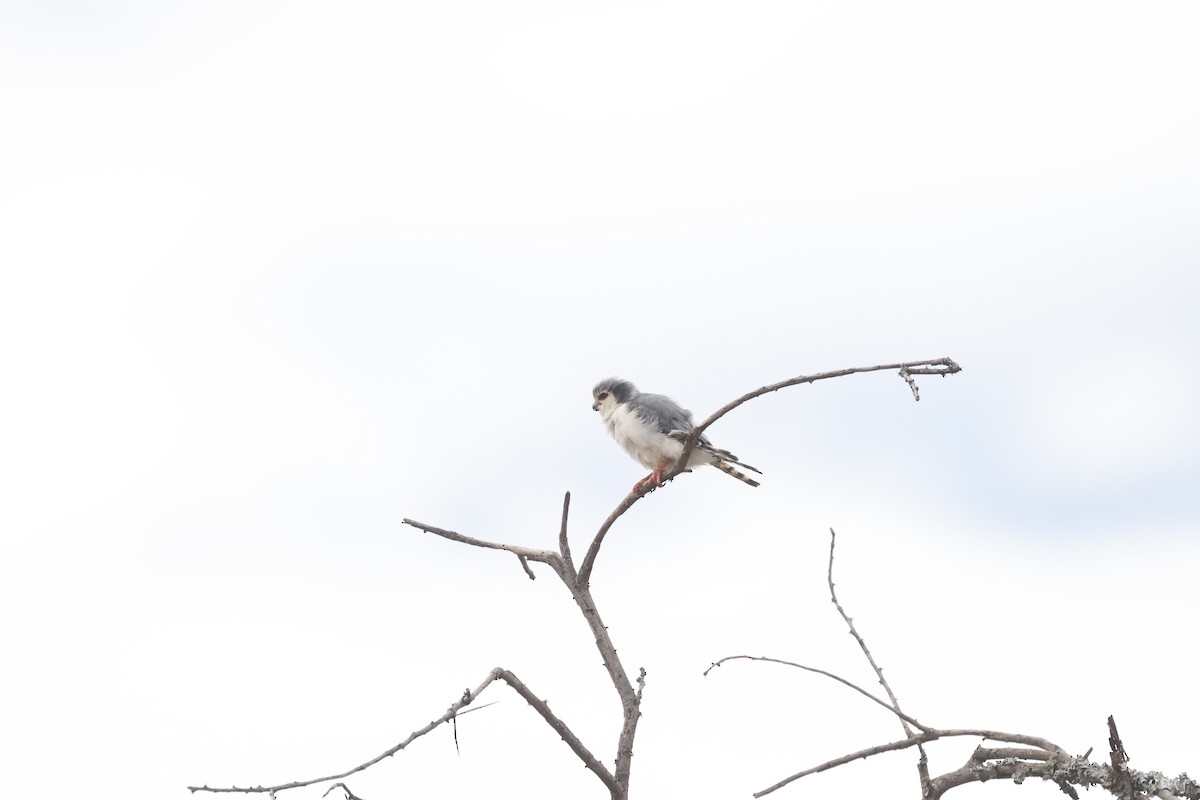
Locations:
{"points": [[651, 427]]}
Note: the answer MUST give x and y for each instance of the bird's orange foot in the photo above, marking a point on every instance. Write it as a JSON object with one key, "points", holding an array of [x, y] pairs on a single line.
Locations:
{"points": [[651, 481]]}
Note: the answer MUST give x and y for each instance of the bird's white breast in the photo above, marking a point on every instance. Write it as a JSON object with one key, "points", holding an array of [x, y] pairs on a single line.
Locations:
{"points": [[646, 444]]}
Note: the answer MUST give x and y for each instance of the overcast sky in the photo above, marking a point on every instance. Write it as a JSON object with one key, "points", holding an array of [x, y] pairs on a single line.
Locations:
{"points": [[278, 275]]}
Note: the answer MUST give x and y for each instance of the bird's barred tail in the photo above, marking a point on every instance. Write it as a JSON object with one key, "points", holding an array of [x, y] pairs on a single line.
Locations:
{"points": [[728, 470]]}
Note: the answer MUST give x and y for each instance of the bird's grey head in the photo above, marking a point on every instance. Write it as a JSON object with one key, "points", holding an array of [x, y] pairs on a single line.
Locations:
{"points": [[610, 392]]}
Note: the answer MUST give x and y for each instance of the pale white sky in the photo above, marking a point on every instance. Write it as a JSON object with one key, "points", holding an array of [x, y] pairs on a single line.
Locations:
{"points": [[277, 275]]}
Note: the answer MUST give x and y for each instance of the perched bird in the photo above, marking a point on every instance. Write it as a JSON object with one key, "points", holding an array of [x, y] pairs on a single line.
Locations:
{"points": [[651, 427]]}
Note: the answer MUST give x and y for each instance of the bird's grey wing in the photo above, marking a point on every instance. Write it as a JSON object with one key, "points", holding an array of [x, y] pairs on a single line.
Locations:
{"points": [[661, 413], [666, 416]]}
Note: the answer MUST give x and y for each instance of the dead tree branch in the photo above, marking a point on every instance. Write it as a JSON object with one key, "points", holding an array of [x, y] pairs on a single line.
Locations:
{"points": [[904, 721], [578, 583], [1037, 757], [539, 705], [1068, 773], [928, 735], [937, 366], [562, 563], [903, 717], [589, 558], [417, 734], [524, 554], [349, 794], [923, 761]]}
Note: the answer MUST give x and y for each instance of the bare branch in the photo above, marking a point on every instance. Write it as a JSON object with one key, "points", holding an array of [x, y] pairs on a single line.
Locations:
{"points": [[1067, 772], [523, 553], [862, 644], [564, 546], [525, 566], [349, 794], [589, 559], [923, 760], [903, 717], [450, 713], [1015, 769], [902, 744], [997, 753], [560, 727], [1011, 763], [912, 384], [937, 366], [539, 705], [929, 735]]}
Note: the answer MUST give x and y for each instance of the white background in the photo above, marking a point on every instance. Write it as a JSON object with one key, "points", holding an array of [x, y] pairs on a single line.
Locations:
{"points": [[277, 275]]}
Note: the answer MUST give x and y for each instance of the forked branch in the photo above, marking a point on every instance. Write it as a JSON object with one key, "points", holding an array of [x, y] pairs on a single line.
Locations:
{"points": [[539, 705], [563, 565]]}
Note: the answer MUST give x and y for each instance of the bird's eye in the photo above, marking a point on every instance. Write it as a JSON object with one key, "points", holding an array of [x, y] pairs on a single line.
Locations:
{"points": [[602, 396]]}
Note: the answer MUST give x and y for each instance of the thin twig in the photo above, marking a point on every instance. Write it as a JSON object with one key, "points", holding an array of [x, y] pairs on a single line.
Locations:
{"points": [[564, 545], [937, 366], [923, 759], [525, 565], [560, 727], [522, 553], [903, 717], [349, 794], [912, 384], [473, 709], [858, 638], [589, 559], [450, 713]]}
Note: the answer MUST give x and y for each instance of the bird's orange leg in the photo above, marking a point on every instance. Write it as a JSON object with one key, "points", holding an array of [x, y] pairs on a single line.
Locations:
{"points": [[654, 479]]}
